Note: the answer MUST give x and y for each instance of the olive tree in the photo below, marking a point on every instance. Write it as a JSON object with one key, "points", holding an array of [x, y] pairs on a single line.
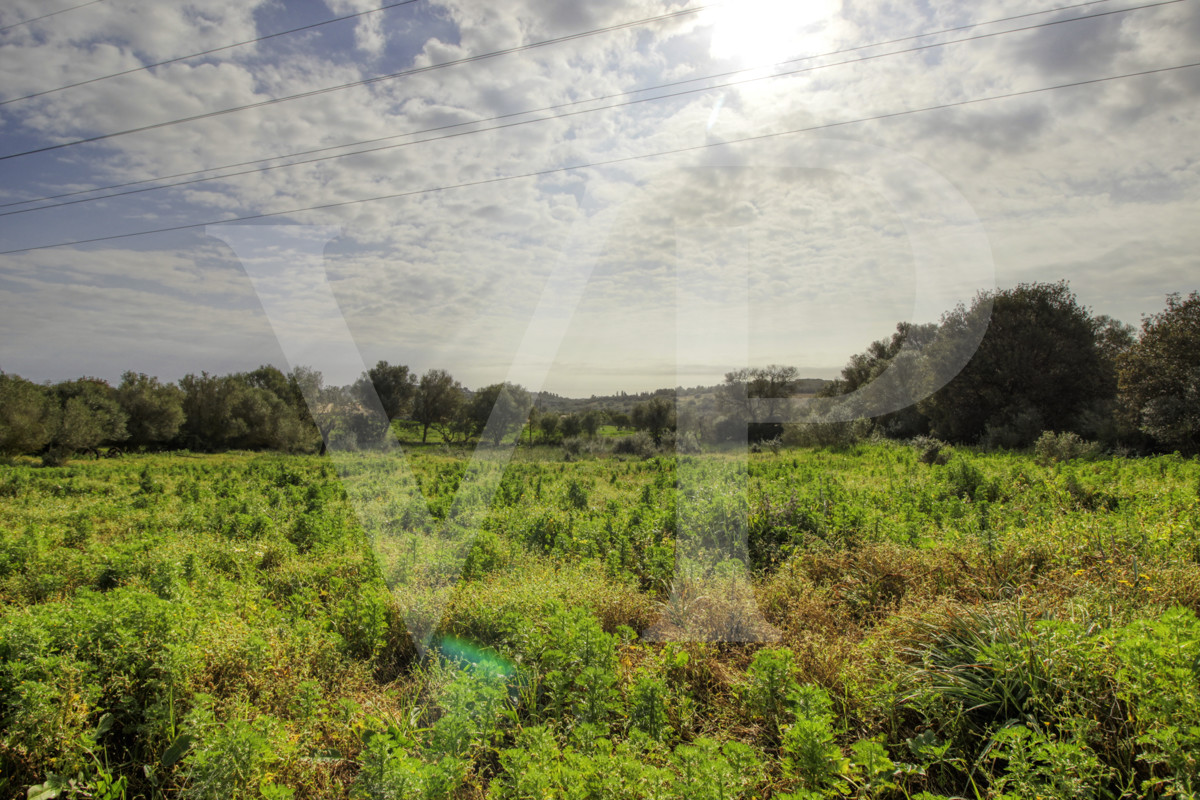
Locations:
{"points": [[1159, 375], [1038, 367], [436, 401], [496, 410], [29, 416], [154, 410]]}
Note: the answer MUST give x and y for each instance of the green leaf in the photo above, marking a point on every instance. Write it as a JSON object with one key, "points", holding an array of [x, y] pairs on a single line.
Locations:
{"points": [[46, 791], [177, 749], [104, 725]]}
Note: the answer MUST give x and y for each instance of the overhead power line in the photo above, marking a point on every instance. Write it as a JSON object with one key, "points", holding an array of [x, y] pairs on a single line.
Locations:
{"points": [[205, 52], [47, 16], [363, 82], [557, 107], [605, 163]]}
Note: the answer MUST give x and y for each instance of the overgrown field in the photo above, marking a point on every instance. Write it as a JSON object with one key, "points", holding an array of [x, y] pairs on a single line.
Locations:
{"points": [[222, 626]]}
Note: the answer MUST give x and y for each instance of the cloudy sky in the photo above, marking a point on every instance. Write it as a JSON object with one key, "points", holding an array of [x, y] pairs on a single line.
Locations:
{"points": [[586, 197]]}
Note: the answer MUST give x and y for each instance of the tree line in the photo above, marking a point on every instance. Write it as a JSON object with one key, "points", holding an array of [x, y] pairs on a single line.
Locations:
{"points": [[267, 409], [1045, 363]]}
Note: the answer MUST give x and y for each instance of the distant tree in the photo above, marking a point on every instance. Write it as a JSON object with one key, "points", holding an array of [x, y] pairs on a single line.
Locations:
{"points": [[655, 416], [865, 367], [29, 416], [272, 380], [1113, 339], [101, 400], [591, 421], [531, 422], [237, 411], [91, 415], [154, 410], [497, 409], [1037, 368], [394, 385], [436, 401], [1160, 375], [770, 385], [570, 425], [308, 395], [205, 412], [1102, 419], [548, 424], [620, 419]]}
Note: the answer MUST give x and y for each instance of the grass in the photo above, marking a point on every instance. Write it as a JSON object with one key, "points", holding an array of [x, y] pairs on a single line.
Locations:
{"points": [[239, 625]]}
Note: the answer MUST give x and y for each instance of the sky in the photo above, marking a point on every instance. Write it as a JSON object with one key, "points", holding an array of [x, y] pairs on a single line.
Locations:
{"points": [[582, 197]]}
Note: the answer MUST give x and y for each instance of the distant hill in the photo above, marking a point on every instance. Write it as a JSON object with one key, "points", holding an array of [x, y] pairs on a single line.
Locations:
{"points": [[696, 395]]}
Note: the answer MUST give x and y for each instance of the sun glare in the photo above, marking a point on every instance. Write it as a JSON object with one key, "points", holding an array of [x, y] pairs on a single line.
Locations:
{"points": [[763, 31]]}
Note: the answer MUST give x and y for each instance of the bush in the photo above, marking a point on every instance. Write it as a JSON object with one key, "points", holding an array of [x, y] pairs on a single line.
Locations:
{"points": [[1016, 429], [827, 434], [1053, 447], [638, 444], [931, 450], [772, 690], [967, 481], [576, 446], [230, 759]]}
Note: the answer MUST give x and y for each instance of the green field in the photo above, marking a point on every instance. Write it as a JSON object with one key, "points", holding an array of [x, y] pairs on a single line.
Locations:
{"points": [[220, 626]]}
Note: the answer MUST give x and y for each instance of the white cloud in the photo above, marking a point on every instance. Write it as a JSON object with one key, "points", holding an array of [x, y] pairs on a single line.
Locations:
{"points": [[1097, 184]]}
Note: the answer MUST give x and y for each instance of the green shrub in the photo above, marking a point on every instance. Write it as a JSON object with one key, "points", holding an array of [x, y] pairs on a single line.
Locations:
{"points": [[647, 708], [709, 770], [638, 444], [577, 665], [1053, 447], [471, 709], [228, 759], [389, 770], [966, 480], [931, 450], [809, 752], [771, 688], [1040, 765], [1159, 675]]}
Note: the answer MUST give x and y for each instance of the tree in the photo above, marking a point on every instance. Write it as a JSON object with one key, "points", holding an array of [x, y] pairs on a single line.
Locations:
{"points": [[1037, 368], [865, 367], [237, 411], [591, 421], [770, 385], [1102, 419], [29, 416], [154, 410], [436, 401], [91, 415], [394, 385], [548, 424], [1159, 375], [497, 409], [655, 416], [310, 398], [570, 425]]}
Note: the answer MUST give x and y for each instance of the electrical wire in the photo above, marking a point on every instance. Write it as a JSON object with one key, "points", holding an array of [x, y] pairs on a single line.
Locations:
{"points": [[205, 52], [353, 84], [608, 162], [47, 16], [551, 108]]}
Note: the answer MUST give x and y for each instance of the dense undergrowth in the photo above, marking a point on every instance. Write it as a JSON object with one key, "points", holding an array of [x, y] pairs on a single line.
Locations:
{"points": [[222, 626]]}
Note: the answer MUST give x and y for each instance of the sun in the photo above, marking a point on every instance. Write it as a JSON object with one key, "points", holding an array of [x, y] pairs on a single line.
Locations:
{"points": [[765, 31]]}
